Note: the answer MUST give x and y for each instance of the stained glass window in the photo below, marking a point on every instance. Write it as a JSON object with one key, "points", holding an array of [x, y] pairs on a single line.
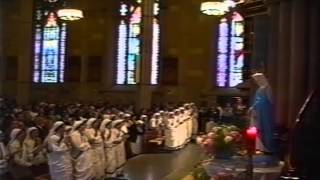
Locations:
{"points": [[130, 43], [49, 43], [230, 58], [155, 44]]}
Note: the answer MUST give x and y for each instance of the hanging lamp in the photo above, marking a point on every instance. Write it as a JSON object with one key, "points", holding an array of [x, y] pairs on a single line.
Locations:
{"points": [[218, 7], [70, 13], [214, 8]]}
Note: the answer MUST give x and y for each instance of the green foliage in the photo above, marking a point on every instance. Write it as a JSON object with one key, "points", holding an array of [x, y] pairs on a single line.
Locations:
{"points": [[221, 145], [200, 174]]}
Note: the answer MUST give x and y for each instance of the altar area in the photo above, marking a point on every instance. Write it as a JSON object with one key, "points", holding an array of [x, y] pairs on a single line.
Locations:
{"points": [[230, 169], [231, 154]]}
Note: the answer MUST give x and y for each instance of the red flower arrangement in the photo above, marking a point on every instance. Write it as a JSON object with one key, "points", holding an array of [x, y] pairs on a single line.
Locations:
{"points": [[222, 140]]}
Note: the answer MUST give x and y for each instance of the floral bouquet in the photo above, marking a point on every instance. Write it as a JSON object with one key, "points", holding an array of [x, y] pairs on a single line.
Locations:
{"points": [[222, 141]]}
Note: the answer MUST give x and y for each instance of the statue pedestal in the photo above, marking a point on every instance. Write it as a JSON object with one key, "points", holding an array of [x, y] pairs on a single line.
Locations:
{"points": [[237, 167], [265, 161]]}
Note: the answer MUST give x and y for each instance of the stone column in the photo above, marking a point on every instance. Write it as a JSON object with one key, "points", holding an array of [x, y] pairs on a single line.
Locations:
{"points": [[85, 48], [259, 41], [144, 92], [83, 76], [298, 64], [271, 66], [314, 44], [84, 69], [109, 64], [25, 52], [283, 63]]}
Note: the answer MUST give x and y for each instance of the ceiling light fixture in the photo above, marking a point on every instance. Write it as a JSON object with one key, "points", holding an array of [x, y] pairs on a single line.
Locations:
{"points": [[70, 14], [218, 7]]}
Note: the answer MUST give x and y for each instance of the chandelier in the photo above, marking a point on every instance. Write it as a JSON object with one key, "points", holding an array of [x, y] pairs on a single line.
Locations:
{"points": [[218, 7], [70, 14], [214, 8]]}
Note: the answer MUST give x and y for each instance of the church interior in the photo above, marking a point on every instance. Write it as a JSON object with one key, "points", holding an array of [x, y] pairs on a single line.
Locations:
{"points": [[159, 89]]}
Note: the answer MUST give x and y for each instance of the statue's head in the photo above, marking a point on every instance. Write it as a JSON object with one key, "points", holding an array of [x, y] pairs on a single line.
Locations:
{"points": [[260, 79]]}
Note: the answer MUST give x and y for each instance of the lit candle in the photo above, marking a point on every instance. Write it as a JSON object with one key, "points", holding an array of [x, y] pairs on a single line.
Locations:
{"points": [[252, 133]]}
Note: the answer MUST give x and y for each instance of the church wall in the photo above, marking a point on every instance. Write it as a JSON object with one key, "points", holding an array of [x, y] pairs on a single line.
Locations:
{"points": [[190, 37], [293, 56], [16, 43], [187, 35]]}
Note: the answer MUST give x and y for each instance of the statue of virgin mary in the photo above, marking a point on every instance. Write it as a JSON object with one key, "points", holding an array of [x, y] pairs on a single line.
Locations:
{"points": [[263, 114]]}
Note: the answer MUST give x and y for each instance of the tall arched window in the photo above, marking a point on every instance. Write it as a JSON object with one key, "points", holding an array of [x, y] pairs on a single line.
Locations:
{"points": [[130, 43], [230, 57], [49, 42], [155, 44]]}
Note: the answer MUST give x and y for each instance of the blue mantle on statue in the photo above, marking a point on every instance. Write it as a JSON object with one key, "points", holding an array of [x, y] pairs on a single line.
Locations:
{"points": [[264, 119]]}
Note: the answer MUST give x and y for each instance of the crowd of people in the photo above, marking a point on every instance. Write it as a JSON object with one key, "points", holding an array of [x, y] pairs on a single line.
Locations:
{"points": [[231, 112], [83, 141]]}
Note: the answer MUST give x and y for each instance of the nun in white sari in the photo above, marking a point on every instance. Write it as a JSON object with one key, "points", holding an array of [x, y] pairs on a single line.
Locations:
{"points": [[120, 131], [19, 163], [81, 153], [109, 135], [16, 148], [98, 158], [67, 131], [59, 158], [35, 153]]}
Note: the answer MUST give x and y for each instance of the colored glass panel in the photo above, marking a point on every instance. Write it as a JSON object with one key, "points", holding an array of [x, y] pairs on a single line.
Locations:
{"points": [[230, 59], [49, 44], [130, 43], [155, 58]]}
